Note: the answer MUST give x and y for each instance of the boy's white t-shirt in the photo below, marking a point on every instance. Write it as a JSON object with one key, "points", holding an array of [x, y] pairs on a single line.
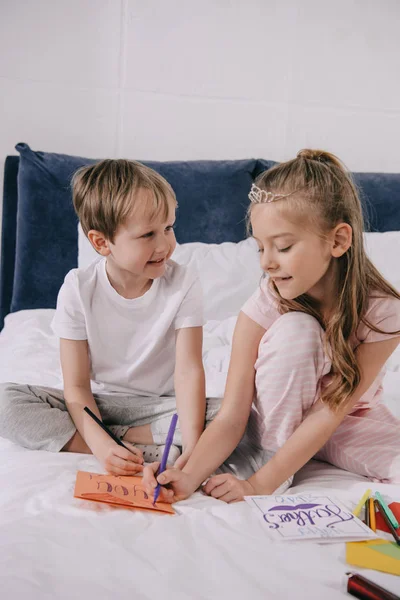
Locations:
{"points": [[131, 341]]}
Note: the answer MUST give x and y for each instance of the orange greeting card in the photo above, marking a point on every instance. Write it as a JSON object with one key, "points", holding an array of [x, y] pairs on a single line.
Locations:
{"points": [[117, 490]]}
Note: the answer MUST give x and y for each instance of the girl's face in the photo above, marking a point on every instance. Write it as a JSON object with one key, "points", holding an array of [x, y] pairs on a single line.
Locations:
{"points": [[297, 259]]}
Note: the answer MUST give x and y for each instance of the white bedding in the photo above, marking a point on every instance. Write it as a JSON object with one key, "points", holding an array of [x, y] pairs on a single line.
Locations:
{"points": [[29, 354], [55, 546]]}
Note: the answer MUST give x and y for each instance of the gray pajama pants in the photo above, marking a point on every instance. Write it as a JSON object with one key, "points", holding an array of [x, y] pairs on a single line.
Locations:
{"points": [[37, 417]]}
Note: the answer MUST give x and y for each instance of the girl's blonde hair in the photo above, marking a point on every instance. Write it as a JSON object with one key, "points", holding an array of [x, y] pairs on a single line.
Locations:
{"points": [[323, 194], [106, 193]]}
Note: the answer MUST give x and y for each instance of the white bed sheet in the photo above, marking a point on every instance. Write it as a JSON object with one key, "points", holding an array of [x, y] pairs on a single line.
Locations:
{"points": [[29, 354], [55, 546]]}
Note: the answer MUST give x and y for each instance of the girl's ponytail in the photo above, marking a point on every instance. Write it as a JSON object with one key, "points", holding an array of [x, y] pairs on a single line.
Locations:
{"points": [[321, 156]]}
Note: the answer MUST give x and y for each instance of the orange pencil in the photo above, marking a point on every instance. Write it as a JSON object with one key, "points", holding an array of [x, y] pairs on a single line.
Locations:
{"points": [[372, 520]]}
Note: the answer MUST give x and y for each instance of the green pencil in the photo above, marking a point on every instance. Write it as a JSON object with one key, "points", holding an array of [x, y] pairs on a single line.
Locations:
{"points": [[387, 510]]}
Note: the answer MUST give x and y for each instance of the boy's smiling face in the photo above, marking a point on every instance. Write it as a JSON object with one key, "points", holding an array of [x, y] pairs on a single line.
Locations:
{"points": [[141, 246]]}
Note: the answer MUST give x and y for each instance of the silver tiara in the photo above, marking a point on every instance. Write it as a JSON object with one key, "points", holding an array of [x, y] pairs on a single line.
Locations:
{"points": [[259, 196]]}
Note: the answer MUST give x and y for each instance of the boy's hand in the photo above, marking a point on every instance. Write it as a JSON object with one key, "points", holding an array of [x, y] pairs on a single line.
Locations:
{"points": [[120, 461], [228, 488], [180, 484]]}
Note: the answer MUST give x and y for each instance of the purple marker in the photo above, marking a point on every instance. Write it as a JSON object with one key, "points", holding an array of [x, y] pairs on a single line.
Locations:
{"points": [[164, 458]]}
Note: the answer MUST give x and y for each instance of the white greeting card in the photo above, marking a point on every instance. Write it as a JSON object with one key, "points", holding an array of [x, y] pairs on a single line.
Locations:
{"points": [[308, 517]]}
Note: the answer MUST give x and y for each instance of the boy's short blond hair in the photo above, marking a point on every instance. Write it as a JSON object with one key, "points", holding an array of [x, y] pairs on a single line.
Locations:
{"points": [[105, 194]]}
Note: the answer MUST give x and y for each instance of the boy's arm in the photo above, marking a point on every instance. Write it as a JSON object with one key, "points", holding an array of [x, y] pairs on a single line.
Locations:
{"points": [[189, 382], [321, 422], [75, 364]]}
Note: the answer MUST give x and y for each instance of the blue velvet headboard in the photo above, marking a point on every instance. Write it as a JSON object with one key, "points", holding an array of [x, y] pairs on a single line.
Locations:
{"points": [[39, 227]]}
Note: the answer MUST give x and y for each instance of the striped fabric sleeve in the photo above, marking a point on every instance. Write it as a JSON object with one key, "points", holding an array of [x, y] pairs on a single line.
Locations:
{"points": [[262, 307], [384, 313]]}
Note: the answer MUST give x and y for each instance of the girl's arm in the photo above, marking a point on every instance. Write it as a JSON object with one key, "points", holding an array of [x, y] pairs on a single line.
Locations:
{"points": [[224, 433], [190, 386], [75, 364], [320, 423]]}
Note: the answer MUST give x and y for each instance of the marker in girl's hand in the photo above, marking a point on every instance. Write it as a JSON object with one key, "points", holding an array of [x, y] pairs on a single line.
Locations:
{"points": [[164, 458]]}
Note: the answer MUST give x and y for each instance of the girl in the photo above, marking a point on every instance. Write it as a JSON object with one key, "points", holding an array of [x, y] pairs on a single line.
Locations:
{"points": [[309, 346]]}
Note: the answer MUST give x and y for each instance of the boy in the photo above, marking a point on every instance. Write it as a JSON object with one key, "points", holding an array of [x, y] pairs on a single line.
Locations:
{"points": [[130, 328]]}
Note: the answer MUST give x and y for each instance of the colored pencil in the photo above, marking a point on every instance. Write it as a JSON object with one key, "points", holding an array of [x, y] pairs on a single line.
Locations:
{"points": [[367, 514], [387, 521], [387, 510], [361, 503], [105, 428], [372, 519]]}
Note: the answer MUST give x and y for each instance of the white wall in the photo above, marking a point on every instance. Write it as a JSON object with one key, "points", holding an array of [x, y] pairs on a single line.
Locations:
{"points": [[183, 79]]}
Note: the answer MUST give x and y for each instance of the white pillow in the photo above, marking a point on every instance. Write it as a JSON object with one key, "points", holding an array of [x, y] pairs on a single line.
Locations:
{"points": [[86, 253], [230, 272], [384, 251]]}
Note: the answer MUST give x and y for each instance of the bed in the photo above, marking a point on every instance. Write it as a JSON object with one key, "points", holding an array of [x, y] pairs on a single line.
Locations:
{"points": [[55, 546]]}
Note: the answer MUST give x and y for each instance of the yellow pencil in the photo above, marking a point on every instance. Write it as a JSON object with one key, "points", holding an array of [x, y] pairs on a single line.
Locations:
{"points": [[372, 520], [361, 503]]}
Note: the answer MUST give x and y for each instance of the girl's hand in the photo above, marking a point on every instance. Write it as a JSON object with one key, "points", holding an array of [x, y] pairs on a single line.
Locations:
{"points": [[180, 484], [120, 461], [228, 488]]}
